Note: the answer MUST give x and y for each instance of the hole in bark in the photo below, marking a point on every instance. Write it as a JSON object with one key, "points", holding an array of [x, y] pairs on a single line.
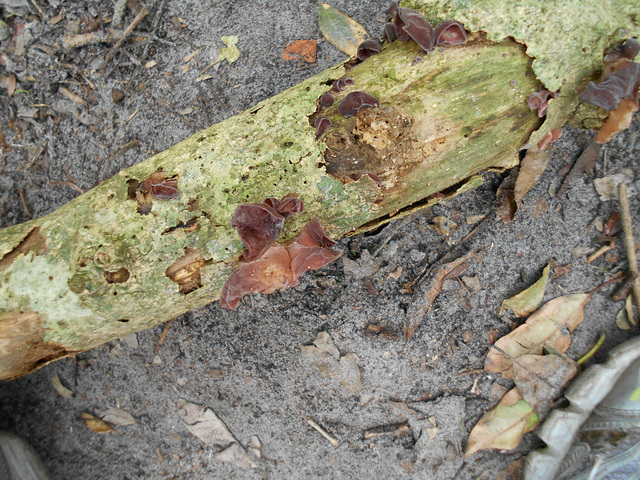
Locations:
{"points": [[119, 276], [186, 270], [123, 320]]}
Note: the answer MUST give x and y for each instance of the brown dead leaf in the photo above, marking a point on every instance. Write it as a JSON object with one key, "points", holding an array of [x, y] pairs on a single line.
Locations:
{"points": [[443, 226], [560, 270], [531, 169], [9, 83], [503, 426], [205, 424], [528, 300], [617, 121], [542, 378], [423, 302], [505, 202], [513, 470], [550, 326], [301, 50], [325, 357], [96, 425], [584, 164]]}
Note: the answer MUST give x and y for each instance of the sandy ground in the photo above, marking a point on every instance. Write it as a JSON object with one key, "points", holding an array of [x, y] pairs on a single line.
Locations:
{"points": [[418, 401]]}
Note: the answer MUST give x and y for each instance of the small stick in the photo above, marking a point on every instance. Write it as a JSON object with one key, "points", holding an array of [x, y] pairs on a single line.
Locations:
{"points": [[627, 227], [323, 432], [163, 336], [24, 203], [134, 23], [601, 251]]}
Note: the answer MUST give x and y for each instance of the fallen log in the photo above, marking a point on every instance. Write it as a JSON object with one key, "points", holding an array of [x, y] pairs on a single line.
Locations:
{"points": [[155, 241]]}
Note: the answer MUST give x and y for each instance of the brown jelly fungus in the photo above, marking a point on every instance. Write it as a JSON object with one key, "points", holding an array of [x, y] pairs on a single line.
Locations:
{"points": [[450, 32], [326, 100], [321, 124], [355, 101], [409, 24], [368, 48]]}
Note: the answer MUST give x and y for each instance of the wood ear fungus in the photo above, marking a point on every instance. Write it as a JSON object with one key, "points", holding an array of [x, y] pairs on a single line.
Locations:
{"points": [[368, 48], [409, 24], [351, 104], [450, 32]]}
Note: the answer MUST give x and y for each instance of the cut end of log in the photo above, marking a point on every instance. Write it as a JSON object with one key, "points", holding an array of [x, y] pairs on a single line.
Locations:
{"points": [[22, 346]]}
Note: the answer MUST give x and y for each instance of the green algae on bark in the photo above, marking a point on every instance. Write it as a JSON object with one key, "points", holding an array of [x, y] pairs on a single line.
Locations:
{"points": [[114, 261]]}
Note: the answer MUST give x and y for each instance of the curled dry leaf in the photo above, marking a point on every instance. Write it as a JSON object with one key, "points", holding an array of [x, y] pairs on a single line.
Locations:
{"points": [[503, 426], [341, 31], [96, 425], [60, 388], [528, 300], [550, 326]]}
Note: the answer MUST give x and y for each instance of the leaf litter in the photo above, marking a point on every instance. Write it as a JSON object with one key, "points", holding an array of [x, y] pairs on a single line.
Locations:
{"points": [[528, 300], [341, 31]]}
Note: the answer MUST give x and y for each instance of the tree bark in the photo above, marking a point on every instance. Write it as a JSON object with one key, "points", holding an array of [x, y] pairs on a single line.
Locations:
{"points": [[122, 257]]}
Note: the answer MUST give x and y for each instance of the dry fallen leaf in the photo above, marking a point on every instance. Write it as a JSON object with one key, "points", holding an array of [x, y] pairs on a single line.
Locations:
{"points": [[325, 357], [542, 378], [617, 121], [504, 425], [423, 302], [60, 388], [205, 424], [9, 83], [607, 187], [117, 416], [230, 53], [550, 326], [236, 455], [341, 31], [531, 169], [528, 300], [96, 425], [443, 225], [301, 50]]}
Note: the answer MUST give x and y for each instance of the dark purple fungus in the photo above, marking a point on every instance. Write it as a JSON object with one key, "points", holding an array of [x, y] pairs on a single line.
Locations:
{"points": [[389, 32], [368, 48], [258, 225], [450, 32], [321, 124], [416, 61], [326, 100], [538, 101], [628, 50], [392, 9], [356, 101], [410, 24], [341, 83], [621, 84]]}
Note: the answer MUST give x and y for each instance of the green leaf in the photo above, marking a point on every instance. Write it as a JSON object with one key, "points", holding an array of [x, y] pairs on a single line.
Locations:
{"points": [[342, 32], [528, 300], [504, 425], [230, 53]]}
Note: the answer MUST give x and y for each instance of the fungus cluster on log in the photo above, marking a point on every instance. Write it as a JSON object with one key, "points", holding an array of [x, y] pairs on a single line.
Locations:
{"points": [[269, 266], [619, 90], [539, 101]]}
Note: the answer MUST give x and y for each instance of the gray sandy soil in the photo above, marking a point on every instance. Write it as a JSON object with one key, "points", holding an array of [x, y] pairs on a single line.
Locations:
{"points": [[246, 365]]}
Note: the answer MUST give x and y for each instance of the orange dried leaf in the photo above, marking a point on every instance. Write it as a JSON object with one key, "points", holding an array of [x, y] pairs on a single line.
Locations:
{"points": [[96, 425], [551, 326], [617, 121], [504, 425], [301, 50], [531, 169]]}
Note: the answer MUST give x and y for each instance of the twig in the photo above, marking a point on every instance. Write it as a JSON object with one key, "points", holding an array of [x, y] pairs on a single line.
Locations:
{"points": [[136, 21], [163, 336], [67, 184], [627, 227], [24, 203], [42, 15], [601, 251], [323, 432]]}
